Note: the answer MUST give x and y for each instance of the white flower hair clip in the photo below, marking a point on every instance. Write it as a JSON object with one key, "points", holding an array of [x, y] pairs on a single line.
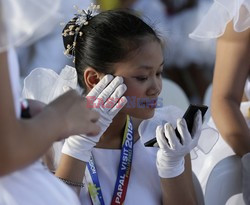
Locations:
{"points": [[82, 18]]}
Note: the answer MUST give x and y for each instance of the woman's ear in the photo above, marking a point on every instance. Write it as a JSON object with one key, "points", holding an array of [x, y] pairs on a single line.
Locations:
{"points": [[91, 77]]}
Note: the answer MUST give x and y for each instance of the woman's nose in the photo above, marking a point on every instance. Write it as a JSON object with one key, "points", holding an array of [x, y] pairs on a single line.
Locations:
{"points": [[155, 87]]}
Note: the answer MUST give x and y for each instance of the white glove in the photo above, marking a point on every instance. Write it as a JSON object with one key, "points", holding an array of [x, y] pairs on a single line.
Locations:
{"points": [[170, 156], [246, 177], [101, 98]]}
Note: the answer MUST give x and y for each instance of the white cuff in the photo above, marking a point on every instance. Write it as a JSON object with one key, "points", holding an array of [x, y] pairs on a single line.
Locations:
{"points": [[170, 170], [78, 147]]}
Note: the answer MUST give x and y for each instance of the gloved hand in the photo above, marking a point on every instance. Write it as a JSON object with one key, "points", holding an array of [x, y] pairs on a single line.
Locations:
{"points": [[104, 99], [170, 156], [246, 177]]}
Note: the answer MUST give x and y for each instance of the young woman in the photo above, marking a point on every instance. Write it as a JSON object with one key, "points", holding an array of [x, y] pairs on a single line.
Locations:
{"points": [[119, 169]]}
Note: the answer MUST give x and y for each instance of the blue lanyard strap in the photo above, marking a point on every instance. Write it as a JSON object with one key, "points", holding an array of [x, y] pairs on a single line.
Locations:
{"points": [[123, 171], [94, 187]]}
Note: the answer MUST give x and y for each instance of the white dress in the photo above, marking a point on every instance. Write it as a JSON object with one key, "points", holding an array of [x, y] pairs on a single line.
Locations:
{"points": [[144, 183]]}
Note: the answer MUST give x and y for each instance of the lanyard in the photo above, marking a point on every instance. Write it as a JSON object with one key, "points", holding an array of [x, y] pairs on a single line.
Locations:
{"points": [[122, 180]]}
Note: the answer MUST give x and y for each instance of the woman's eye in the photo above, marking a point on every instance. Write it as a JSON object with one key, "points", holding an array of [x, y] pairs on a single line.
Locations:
{"points": [[141, 78], [159, 74]]}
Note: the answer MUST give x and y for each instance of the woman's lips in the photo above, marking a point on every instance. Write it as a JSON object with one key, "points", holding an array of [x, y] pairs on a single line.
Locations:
{"points": [[150, 103]]}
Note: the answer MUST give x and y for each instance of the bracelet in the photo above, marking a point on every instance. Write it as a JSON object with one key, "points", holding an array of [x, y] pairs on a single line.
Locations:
{"points": [[68, 182]]}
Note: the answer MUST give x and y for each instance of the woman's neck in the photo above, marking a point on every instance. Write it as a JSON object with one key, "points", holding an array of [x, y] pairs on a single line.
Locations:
{"points": [[113, 136]]}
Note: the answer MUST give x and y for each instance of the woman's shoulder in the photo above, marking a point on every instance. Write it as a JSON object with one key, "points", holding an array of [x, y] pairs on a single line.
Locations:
{"points": [[231, 33]]}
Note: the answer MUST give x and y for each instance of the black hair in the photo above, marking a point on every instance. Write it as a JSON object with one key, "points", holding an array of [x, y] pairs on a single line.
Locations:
{"points": [[108, 38]]}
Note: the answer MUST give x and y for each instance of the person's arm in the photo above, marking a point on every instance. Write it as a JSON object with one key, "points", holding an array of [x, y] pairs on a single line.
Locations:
{"points": [[71, 169], [180, 189], [23, 141], [18, 147], [231, 71]]}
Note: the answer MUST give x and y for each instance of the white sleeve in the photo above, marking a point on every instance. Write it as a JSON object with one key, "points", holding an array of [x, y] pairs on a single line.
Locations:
{"points": [[214, 23]]}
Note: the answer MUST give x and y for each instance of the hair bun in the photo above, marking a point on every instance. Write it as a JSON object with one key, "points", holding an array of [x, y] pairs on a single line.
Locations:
{"points": [[72, 30]]}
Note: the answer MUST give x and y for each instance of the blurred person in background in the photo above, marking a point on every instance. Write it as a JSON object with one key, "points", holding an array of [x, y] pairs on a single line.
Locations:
{"points": [[229, 23], [47, 51]]}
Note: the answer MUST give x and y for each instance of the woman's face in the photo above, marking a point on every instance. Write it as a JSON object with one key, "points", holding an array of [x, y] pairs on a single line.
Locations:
{"points": [[142, 76]]}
